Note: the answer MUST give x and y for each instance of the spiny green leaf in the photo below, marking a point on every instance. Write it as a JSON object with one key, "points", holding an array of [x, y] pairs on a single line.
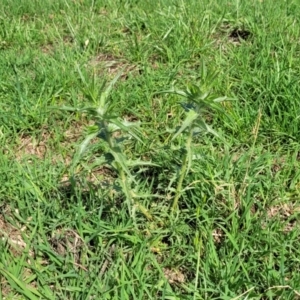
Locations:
{"points": [[193, 91], [191, 116], [128, 127], [102, 107], [92, 129], [120, 159], [88, 110], [206, 127], [137, 162], [174, 91], [221, 99], [85, 143]]}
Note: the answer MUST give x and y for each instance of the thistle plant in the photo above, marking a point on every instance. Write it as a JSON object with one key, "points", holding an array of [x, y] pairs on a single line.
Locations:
{"points": [[197, 103], [107, 124]]}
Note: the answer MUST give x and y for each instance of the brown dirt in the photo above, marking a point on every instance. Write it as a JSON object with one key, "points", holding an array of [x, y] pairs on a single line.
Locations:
{"points": [[174, 276], [13, 234], [108, 63], [285, 213]]}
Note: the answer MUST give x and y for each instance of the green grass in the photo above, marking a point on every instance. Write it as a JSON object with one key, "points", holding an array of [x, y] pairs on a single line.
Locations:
{"points": [[72, 226]]}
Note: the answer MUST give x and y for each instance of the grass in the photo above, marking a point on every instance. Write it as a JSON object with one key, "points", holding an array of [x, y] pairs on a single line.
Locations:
{"points": [[221, 213]]}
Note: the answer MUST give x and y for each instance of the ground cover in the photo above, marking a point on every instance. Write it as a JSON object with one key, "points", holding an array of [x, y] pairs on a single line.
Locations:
{"points": [[106, 190]]}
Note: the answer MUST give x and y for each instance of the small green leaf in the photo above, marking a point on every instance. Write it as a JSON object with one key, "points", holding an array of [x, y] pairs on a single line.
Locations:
{"points": [[193, 91], [92, 129], [102, 107], [85, 143], [136, 163], [191, 116]]}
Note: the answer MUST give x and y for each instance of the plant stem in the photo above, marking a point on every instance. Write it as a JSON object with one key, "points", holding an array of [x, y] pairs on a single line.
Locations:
{"points": [[183, 170], [107, 134], [124, 181]]}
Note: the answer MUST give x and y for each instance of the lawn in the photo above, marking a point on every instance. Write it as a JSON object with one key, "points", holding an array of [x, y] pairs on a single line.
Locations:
{"points": [[149, 149]]}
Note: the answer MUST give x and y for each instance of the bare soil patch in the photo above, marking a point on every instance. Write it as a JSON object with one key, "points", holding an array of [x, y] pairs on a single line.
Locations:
{"points": [[108, 63]]}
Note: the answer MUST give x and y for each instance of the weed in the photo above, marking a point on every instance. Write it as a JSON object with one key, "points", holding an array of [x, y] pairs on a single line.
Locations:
{"points": [[106, 129], [197, 103]]}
